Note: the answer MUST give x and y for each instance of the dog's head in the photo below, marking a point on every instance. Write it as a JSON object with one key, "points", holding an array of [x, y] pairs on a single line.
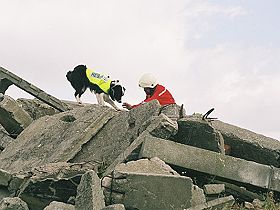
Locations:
{"points": [[116, 91]]}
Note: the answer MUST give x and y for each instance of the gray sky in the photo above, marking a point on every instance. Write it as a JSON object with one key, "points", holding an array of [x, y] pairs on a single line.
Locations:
{"points": [[219, 53]]}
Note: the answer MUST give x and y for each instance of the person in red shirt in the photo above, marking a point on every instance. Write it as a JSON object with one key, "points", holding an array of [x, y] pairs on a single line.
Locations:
{"points": [[154, 91]]}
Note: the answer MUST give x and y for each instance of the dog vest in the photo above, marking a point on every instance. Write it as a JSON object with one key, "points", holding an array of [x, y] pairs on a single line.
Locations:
{"points": [[99, 79]]}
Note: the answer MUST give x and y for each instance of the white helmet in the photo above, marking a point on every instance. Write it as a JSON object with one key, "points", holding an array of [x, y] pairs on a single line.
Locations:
{"points": [[147, 81]]}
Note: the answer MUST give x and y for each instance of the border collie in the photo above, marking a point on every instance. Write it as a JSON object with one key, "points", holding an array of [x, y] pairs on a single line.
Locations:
{"points": [[105, 89]]}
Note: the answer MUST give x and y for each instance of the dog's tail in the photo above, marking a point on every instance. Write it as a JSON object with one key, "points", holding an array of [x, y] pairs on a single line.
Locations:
{"points": [[68, 75]]}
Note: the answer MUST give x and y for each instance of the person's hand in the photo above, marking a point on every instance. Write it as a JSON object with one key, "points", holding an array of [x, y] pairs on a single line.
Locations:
{"points": [[126, 106]]}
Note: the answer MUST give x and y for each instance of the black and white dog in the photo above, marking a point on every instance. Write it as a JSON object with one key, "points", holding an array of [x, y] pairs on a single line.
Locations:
{"points": [[105, 89]]}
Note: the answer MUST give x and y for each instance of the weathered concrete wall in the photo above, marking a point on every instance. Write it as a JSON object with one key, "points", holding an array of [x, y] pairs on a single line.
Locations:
{"points": [[12, 117], [248, 145]]}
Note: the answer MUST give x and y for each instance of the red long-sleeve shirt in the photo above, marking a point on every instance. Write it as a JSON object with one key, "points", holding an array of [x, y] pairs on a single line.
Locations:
{"points": [[161, 94]]}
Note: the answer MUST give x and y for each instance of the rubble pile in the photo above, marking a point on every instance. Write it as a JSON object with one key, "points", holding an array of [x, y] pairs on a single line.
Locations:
{"points": [[93, 157]]}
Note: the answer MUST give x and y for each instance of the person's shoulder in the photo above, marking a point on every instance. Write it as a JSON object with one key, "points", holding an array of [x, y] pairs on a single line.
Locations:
{"points": [[159, 86]]}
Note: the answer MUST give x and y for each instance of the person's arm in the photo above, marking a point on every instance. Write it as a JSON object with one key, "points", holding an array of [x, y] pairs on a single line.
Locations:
{"points": [[127, 106], [156, 95]]}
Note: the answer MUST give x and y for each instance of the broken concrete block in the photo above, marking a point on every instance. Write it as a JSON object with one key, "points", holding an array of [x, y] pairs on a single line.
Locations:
{"points": [[4, 193], [160, 126], [5, 139], [58, 170], [13, 118], [220, 165], [36, 108], [16, 182], [173, 111], [196, 132], [153, 165], [219, 203], [114, 207], [14, 203], [248, 205], [38, 193], [152, 191], [212, 189], [257, 203], [240, 192], [54, 205], [56, 138], [198, 196], [248, 145], [5, 178], [41, 185], [117, 135], [89, 193]]}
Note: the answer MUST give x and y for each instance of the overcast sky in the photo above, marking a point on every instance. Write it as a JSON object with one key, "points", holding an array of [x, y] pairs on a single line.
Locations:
{"points": [[220, 53]]}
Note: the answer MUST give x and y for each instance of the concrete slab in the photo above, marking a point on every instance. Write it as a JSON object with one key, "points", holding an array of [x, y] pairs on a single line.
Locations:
{"points": [[56, 138], [5, 139], [5, 178], [89, 193], [7, 78], [13, 203], [36, 108], [248, 145], [117, 135], [173, 111], [160, 126], [39, 193], [210, 162], [212, 189], [219, 203], [4, 193], [196, 132], [153, 165], [153, 191], [13, 117]]}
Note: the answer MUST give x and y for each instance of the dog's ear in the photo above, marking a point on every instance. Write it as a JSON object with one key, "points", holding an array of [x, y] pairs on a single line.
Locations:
{"points": [[111, 94], [114, 83]]}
